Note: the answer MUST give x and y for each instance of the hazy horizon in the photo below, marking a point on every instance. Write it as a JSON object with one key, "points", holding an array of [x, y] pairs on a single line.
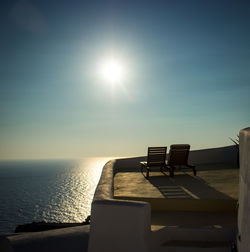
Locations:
{"points": [[83, 157], [181, 75]]}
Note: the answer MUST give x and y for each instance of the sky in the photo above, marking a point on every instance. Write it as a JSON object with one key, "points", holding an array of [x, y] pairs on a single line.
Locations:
{"points": [[187, 73]]}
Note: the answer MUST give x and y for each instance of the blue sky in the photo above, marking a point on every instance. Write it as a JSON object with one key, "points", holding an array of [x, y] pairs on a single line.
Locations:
{"points": [[188, 69]]}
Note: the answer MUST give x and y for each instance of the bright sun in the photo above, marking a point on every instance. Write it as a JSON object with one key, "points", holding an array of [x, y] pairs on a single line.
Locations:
{"points": [[112, 71]]}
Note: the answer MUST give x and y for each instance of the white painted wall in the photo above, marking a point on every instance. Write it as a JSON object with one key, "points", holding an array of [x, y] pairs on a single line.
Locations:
{"points": [[227, 154], [243, 241], [117, 225], [63, 240], [120, 226]]}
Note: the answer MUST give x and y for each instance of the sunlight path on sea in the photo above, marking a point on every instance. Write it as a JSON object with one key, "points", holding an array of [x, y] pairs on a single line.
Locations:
{"points": [[47, 190], [72, 199]]}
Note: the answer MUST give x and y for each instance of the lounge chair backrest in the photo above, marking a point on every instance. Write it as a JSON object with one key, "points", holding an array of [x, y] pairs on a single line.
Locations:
{"points": [[178, 154], [156, 156]]}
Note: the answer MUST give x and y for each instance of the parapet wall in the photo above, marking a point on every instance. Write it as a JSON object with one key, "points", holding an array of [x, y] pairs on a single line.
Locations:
{"points": [[226, 154], [105, 187], [243, 240], [117, 225], [63, 240]]}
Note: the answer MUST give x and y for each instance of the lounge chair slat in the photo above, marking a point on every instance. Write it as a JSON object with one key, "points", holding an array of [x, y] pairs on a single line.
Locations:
{"points": [[178, 156], [156, 157]]}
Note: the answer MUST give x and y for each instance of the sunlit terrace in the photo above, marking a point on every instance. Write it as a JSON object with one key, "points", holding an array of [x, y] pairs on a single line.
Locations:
{"points": [[208, 199]]}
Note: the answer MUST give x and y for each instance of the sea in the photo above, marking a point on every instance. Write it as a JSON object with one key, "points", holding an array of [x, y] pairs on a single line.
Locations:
{"points": [[47, 190]]}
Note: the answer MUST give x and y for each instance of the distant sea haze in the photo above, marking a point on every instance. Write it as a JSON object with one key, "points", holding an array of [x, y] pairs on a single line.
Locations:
{"points": [[47, 190]]}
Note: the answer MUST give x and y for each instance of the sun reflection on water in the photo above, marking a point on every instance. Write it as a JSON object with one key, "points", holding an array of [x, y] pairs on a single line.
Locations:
{"points": [[47, 190], [72, 201]]}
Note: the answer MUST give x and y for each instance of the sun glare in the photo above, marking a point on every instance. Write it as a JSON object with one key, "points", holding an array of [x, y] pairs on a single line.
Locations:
{"points": [[112, 71]]}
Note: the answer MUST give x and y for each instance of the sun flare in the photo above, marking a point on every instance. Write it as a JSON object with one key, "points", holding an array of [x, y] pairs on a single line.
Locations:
{"points": [[112, 71]]}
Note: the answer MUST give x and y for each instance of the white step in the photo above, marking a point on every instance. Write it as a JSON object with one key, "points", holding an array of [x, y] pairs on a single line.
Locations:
{"points": [[195, 246]]}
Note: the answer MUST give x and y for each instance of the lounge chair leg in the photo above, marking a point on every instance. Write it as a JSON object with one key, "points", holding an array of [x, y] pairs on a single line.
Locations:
{"points": [[163, 169], [194, 172], [147, 176], [171, 171], [141, 168]]}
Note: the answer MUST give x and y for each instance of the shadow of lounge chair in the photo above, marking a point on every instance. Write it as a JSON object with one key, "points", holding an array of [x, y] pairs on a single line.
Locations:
{"points": [[156, 158], [178, 157]]}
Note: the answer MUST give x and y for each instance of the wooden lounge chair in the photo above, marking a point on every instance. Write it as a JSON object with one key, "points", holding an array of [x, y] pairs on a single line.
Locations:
{"points": [[178, 157], [156, 158]]}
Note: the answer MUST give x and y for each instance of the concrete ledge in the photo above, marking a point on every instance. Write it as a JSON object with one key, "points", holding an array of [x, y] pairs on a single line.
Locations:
{"points": [[194, 205], [188, 219], [105, 187], [63, 240], [192, 239], [188, 234]]}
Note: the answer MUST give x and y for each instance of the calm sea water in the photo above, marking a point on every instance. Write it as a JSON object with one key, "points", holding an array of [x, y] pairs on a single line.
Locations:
{"points": [[47, 190]]}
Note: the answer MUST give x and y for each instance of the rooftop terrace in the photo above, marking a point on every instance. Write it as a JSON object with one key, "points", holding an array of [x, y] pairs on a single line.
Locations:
{"points": [[208, 199], [213, 181]]}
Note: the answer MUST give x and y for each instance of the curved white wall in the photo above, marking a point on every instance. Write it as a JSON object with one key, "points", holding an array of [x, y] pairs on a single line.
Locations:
{"points": [[117, 225]]}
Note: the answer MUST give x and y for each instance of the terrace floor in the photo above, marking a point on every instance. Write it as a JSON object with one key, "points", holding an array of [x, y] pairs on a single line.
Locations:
{"points": [[208, 199]]}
